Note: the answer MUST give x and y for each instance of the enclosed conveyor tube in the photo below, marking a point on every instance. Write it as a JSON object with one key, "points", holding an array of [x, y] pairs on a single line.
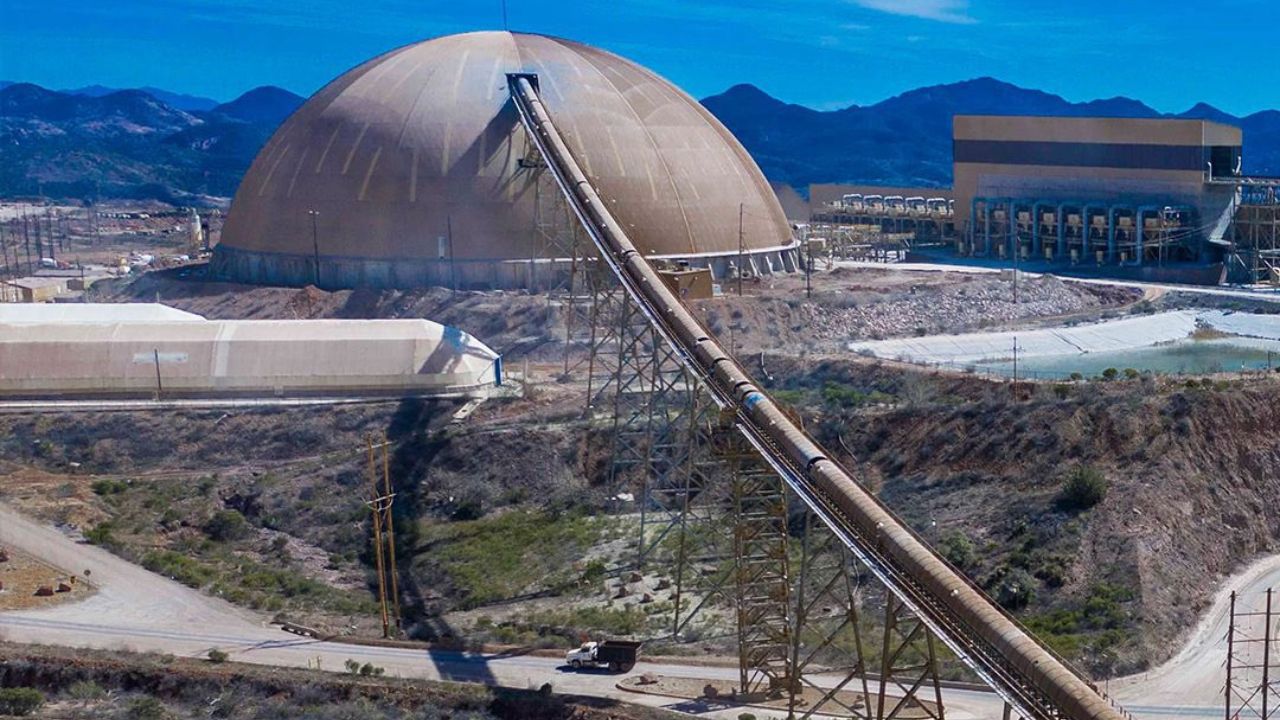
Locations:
{"points": [[1026, 674]]}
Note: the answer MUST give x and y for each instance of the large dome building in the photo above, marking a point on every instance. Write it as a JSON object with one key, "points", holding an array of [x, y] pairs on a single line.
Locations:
{"points": [[412, 169]]}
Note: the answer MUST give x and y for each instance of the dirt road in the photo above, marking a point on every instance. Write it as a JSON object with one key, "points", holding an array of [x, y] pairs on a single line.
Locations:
{"points": [[136, 610]]}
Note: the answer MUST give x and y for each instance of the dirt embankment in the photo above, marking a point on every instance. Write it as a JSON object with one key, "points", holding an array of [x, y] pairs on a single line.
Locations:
{"points": [[1193, 477], [773, 313], [86, 683], [512, 323]]}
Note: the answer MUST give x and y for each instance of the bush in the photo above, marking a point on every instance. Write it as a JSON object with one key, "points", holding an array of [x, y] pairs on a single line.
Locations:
{"points": [[100, 534], [1131, 374], [371, 670], [226, 525], [146, 708], [1083, 488], [1110, 374], [109, 487], [1013, 588], [86, 690], [217, 656], [959, 551], [20, 701]]}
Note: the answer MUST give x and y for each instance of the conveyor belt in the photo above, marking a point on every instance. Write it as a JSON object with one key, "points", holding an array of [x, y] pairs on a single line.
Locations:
{"points": [[1028, 675]]}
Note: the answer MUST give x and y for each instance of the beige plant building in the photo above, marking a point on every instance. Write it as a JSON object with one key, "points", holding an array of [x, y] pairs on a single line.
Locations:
{"points": [[414, 169]]}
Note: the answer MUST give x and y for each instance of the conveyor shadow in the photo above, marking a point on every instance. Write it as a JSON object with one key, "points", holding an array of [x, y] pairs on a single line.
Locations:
{"points": [[415, 447]]}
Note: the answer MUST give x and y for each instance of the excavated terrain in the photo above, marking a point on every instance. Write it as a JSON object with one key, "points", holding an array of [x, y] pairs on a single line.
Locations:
{"points": [[1190, 470]]}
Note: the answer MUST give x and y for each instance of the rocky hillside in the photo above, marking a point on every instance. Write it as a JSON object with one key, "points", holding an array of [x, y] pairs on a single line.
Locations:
{"points": [[1190, 471]]}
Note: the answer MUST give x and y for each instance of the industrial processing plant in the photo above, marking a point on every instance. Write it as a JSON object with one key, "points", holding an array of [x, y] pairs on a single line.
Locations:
{"points": [[413, 169], [1154, 199]]}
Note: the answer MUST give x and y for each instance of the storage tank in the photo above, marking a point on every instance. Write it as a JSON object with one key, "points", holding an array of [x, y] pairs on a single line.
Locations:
{"points": [[414, 169]]}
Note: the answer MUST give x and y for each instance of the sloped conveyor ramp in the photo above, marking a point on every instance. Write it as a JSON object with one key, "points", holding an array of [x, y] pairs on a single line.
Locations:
{"points": [[1027, 674]]}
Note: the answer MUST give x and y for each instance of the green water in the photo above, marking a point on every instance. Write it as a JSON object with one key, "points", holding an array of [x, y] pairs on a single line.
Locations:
{"points": [[1182, 357]]}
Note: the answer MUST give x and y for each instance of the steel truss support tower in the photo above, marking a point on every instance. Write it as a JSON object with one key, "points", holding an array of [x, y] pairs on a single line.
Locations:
{"points": [[761, 570], [709, 504], [908, 664], [1253, 658], [828, 629]]}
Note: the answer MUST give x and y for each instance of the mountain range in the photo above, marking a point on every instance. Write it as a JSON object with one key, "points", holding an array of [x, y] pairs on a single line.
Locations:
{"points": [[906, 140], [151, 143], [102, 142]]}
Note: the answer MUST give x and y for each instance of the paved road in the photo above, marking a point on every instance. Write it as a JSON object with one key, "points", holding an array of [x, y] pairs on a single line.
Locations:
{"points": [[136, 610]]}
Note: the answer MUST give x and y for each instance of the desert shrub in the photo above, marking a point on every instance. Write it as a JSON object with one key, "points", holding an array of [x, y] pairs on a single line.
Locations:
{"points": [[959, 550], [109, 487], [85, 690], [145, 708], [217, 656], [1083, 488], [101, 534], [1131, 374], [226, 525], [20, 701], [1110, 373], [1013, 588], [177, 566]]}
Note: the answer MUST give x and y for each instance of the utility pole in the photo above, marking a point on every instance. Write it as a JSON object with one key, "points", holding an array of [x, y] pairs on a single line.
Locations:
{"points": [[742, 249], [384, 536], [448, 227], [315, 248], [1266, 658], [808, 273], [1015, 364], [1231, 641], [26, 239]]}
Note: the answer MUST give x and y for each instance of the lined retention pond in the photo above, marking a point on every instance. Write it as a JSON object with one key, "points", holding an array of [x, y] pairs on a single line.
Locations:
{"points": [[1188, 356], [1181, 342]]}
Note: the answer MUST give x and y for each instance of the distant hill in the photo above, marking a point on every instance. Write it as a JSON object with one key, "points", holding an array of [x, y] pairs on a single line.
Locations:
{"points": [[906, 140], [262, 105], [99, 142], [181, 101]]}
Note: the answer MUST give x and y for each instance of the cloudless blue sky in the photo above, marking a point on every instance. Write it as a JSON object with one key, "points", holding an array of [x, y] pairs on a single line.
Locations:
{"points": [[821, 53]]}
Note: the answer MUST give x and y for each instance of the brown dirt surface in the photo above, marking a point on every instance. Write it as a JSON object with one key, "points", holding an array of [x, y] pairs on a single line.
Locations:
{"points": [[1191, 472], [774, 313], [21, 575]]}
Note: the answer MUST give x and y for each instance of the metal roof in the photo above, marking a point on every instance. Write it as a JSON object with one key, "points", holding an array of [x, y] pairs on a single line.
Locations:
{"points": [[213, 356], [423, 143], [91, 313]]}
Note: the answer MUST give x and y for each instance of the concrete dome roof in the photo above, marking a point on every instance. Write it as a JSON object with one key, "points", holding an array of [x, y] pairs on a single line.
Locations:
{"points": [[424, 139]]}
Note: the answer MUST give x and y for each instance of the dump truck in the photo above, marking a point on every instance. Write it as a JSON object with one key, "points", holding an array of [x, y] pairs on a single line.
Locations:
{"points": [[619, 655]]}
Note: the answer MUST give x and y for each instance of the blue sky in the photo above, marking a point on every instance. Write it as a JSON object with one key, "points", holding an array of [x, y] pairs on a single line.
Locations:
{"points": [[821, 53]]}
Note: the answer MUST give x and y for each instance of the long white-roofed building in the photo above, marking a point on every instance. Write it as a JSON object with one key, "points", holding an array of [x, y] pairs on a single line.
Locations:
{"points": [[138, 351]]}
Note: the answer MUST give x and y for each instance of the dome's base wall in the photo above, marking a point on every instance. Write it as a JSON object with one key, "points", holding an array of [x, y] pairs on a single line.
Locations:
{"points": [[258, 268]]}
